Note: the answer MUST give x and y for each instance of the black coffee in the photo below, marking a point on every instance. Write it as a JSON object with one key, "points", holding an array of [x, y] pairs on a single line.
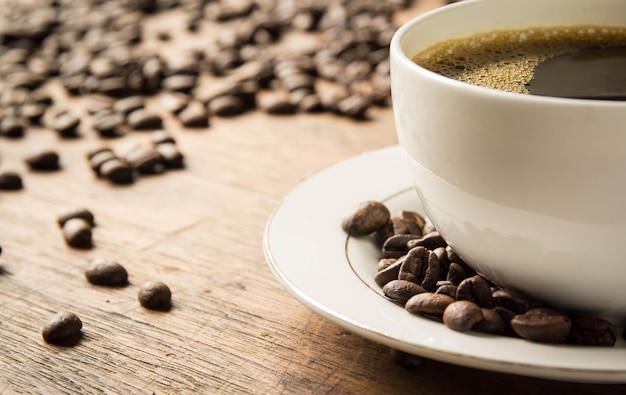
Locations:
{"points": [[586, 62]]}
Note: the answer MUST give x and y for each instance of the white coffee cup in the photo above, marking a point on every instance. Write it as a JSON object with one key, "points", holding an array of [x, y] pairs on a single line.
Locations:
{"points": [[528, 190]]}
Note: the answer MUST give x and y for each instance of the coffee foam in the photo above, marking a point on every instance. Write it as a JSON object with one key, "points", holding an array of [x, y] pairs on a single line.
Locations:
{"points": [[505, 59]]}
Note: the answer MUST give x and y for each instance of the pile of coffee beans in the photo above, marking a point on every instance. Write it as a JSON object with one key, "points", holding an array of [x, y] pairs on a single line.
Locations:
{"points": [[419, 271]]}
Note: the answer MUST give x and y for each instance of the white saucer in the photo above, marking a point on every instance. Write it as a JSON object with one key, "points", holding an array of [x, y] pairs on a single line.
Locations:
{"points": [[333, 275]]}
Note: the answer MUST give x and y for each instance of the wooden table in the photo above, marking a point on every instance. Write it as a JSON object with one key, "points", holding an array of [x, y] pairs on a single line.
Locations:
{"points": [[232, 327]]}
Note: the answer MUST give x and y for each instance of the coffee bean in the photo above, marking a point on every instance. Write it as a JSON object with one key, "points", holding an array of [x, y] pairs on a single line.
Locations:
{"points": [[447, 289], [108, 124], [462, 315], [145, 159], [194, 115], [171, 157], [401, 290], [174, 102], [129, 104], [43, 160], [80, 212], [143, 119], [77, 233], [366, 218], [390, 272], [10, 181], [155, 295], [429, 304], [477, 290], [162, 137], [107, 273], [431, 241], [310, 103], [414, 266], [98, 159], [276, 102], [180, 83], [397, 245], [63, 329], [511, 299], [354, 106], [12, 127], [456, 273], [66, 125], [593, 331], [384, 263], [543, 326], [492, 323], [117, 171], [226, 106]]}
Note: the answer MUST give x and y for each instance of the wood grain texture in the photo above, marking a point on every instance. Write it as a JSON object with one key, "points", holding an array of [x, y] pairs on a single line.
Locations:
{"points": [[232, 328]]}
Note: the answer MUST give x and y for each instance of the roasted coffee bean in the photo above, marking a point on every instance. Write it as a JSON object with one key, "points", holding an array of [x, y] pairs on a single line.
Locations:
{"points": [[143, 119], [389, 273], [410, 222], [227, 106], [414, 265], [171, 157], [63, 329], [511, 299], [276, 102], [428, 303], [456, 273], [385, 263], [66, 125], [382, 234], [462, 315], [107, 273], [433, 271], [310, 103], [477, 290], [194, 115], [129, 104], [155, 295], [396, 245], [593, 331], [366, 218], [117, 171], [162, 137], [447, 289], [33, 112], [43, 160], [542, 325], [80, 212], [431, 241], [492, 323], [108, 124], [12, 127], [98, 159], [401, 290], [10, 181], [77, 233], [174, 102], [145, 159], [442, 255], [184, 83], [116, 87], [354, 106]]}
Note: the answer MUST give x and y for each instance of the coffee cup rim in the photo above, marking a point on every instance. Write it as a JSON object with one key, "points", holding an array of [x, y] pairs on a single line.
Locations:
{"points": [[399, 54]]}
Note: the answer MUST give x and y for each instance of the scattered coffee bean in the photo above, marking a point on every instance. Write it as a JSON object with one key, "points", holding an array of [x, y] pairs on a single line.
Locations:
{"points": [[107, 273], [162, 137], [194, 115], [155, 295], [462, 315], [98, 159], [593, 331], [12, 127], [63, 329], [542, 325], [145, 159], [80, 212], [10, 181], [117, 172], [77, 233], [365, 219], [171, 157], [429, 304], [227, 106], [43, 160], [143, 119], [128, 104], [66, 125], [401, 290], [276, 102]]}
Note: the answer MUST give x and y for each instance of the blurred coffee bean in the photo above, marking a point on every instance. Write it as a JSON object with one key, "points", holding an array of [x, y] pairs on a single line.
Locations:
{"points": [[155, 295], [79, 212], [180, 83], [276, 102], [12, 127], [10, 181], [226, 106], [593, 331], [143, 119], [145, 159], [171, 157], [66, 125], [542, 325], [129, 104], [117, 171], [194, 115], [77, 233], [107, 273], [43, 160]]}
